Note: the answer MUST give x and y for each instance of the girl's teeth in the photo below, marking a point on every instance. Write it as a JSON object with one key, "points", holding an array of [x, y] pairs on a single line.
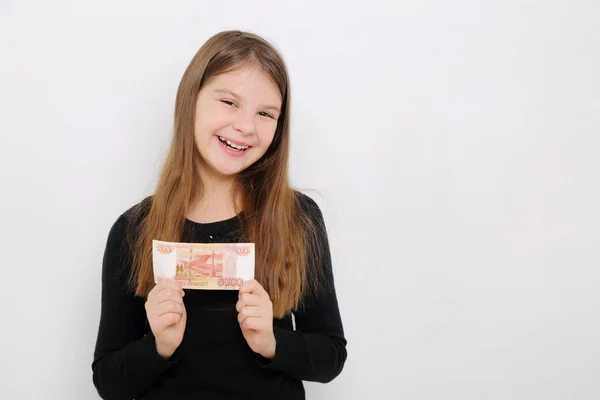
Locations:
{"points": [[232, 145], [236, 146]]}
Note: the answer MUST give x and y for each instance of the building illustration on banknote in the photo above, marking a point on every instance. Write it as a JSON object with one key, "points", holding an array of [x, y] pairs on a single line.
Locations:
{"points": [[205, 262]]}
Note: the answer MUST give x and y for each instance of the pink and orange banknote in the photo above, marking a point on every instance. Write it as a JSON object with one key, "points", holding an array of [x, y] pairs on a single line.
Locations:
{"points": [[220, 266]]}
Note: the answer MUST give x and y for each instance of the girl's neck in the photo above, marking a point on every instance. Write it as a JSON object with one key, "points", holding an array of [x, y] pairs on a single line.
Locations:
{"points": [[216, 202]]}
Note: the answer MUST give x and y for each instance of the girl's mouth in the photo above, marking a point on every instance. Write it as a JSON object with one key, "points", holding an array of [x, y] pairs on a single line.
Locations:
{"points": [[232, 145]]}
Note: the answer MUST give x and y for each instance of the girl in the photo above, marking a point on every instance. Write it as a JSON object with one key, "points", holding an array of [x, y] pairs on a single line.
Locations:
{"points": [[225, 180]]}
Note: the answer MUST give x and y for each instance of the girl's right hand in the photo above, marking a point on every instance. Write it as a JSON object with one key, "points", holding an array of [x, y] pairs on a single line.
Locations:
{"points": [[167, 316]]}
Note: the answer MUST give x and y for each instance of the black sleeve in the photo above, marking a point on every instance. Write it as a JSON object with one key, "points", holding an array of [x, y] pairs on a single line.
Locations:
{"points": [[126, 362], [316, 350]]}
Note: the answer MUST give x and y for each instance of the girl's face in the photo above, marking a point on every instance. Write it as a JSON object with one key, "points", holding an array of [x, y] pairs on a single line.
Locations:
{"points": [[236, 119]]}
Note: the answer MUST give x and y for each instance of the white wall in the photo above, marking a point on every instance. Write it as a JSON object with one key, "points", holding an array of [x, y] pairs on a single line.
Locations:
{"points": [[455, 146]]}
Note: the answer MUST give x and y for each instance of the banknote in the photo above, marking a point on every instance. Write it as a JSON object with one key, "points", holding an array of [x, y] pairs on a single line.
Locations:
{"points": [[204, 265]]}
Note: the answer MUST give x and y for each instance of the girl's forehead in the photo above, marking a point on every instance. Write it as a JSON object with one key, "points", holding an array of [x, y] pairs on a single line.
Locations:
{"points": [[245, 82], [244, 74]]}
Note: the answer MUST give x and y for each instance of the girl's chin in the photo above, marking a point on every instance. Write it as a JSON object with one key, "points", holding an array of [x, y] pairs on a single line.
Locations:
{"points": [[226, 170]]}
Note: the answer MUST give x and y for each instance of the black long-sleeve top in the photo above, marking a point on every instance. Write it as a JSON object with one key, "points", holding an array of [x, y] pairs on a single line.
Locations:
{"points": [[213, 361]]}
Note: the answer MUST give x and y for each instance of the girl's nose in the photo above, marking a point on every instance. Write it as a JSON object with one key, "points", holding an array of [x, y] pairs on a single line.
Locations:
{"points": [[244, 123]]}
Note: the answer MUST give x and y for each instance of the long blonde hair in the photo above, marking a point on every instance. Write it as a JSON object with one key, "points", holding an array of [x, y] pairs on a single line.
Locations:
{"points": [[285, 236]]}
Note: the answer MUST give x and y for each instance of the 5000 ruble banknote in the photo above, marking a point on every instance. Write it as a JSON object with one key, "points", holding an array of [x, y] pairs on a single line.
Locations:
{"points": [[204, 265]]}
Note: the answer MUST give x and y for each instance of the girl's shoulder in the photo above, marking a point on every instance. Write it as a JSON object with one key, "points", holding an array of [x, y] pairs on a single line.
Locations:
{"points": [[139, 210], [128, 222], [309, 206]]}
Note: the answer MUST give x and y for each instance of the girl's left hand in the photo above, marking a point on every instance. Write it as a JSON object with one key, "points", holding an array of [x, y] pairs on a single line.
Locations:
{"points": [[255, 315]]}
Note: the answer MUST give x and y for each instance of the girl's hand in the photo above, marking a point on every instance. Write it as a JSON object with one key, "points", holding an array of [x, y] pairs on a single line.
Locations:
{"points": [[255, 315], [167, 316]]}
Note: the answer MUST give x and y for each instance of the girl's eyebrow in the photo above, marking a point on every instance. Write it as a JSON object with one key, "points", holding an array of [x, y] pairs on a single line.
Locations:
{"points": [[238, 97]]}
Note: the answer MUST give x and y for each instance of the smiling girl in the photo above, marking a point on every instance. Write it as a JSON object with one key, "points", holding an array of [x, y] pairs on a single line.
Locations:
{"points": [[225, 180]]}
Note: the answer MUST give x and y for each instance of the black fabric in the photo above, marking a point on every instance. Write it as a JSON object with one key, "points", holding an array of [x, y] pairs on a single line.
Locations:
{"points": [[214, 360]]}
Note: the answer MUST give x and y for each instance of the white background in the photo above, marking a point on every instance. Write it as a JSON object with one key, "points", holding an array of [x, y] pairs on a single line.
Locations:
{"points": [[453, 147]]}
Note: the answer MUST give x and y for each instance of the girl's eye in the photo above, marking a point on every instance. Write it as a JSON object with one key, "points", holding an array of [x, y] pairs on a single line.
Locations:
{"points": [[264, 114], [229, 103]]}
